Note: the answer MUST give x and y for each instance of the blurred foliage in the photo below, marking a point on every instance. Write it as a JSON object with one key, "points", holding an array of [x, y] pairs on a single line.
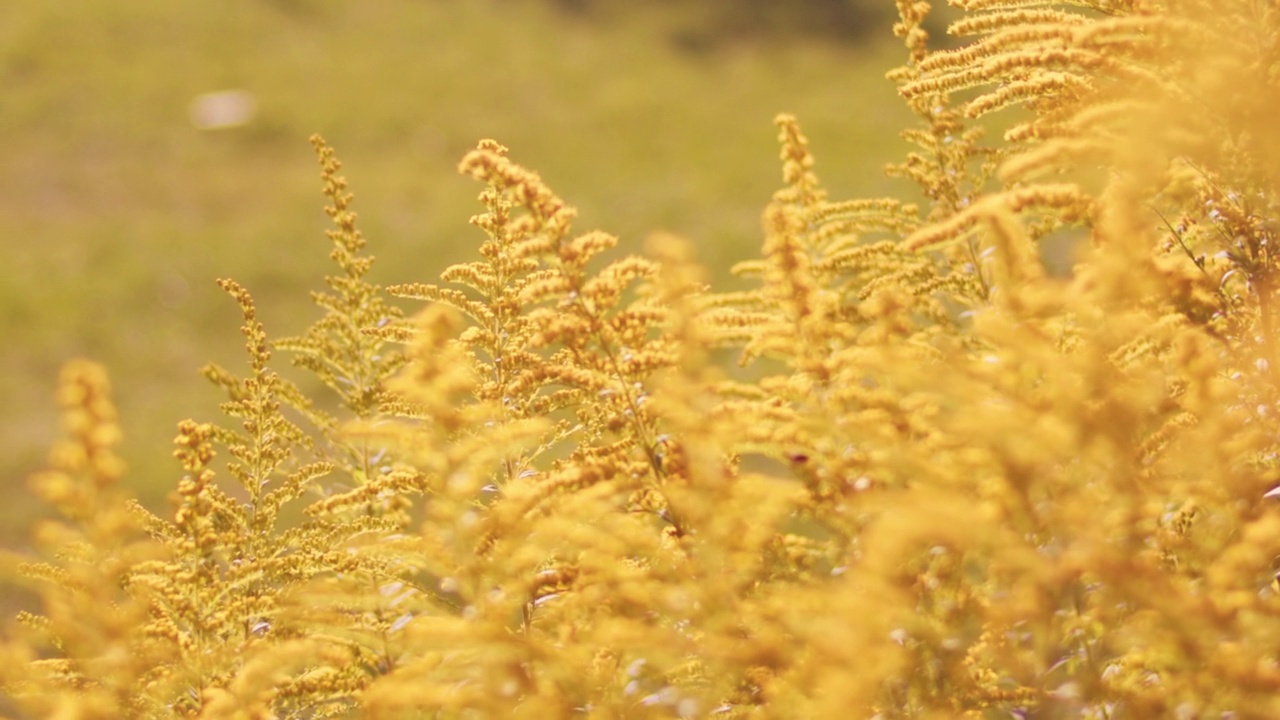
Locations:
{"points": [[703, 25], [116, 210]]}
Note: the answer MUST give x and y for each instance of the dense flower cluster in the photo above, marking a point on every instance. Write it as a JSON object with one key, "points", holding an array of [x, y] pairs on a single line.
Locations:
{"points": [[954, 479]]}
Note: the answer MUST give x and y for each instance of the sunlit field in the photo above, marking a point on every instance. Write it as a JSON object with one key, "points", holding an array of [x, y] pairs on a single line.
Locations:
{"points": [[126, 188]]}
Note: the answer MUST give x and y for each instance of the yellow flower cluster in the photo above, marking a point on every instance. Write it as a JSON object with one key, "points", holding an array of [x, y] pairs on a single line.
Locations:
{"points": [[956, 479]]}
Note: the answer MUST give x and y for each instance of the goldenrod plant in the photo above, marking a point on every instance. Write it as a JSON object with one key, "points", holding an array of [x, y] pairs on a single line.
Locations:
{"points": [[955, 479]]}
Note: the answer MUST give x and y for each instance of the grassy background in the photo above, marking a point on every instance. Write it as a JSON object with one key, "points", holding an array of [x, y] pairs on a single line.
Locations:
{"points": [[117, 213]]}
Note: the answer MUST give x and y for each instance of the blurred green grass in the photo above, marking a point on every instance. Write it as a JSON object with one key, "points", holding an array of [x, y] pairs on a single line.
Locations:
{"points": [[117, 213]]}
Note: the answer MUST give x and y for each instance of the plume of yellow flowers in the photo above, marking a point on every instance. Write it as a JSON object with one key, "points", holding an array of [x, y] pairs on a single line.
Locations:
{"points": [[959, 477]]}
